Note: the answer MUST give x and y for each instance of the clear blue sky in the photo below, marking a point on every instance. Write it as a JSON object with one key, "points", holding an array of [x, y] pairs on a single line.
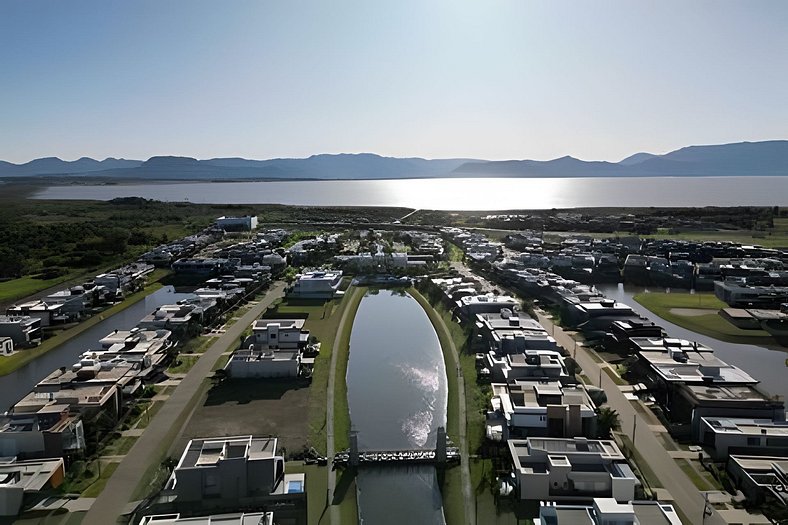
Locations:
{"points": [[455, 78]]}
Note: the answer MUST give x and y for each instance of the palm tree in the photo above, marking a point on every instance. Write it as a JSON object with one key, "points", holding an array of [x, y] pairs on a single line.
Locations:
{"points": [[607, 421]]}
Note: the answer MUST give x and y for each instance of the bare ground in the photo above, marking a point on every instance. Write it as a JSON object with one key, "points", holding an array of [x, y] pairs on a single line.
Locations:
{"points": [[261, 407]]}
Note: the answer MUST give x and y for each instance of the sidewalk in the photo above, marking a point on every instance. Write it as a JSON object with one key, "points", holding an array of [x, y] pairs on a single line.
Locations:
{"points": [[147, 451]]}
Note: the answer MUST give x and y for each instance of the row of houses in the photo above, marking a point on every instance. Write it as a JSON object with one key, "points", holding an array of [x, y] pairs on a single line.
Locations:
{"points": [[544, 416], [24, 323]]}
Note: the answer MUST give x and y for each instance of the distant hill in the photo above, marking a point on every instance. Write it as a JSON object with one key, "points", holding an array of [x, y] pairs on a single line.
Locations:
{"points": [[55, 166], [744, 158]]}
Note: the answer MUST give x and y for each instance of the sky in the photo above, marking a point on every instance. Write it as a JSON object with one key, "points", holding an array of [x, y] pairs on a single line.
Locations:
{"points": [[489, 79]]}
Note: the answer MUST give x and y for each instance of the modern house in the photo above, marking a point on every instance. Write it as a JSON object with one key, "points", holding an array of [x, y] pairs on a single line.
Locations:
{"points": [[471, 305], [317, 285], [693, 402], [273, 350], [513, 332], [531, 364], [236, 472], [541, 408], [24, 331], [760, 477], [18, 478], [235, 224], [607, 511], [47, 431], [243, 518], [726, 436], [180, 319], [571, 470], [6, 345], [48, 314], [200, 267]]}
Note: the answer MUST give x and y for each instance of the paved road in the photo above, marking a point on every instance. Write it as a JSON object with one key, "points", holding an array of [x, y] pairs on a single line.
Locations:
{"points": [[146, 451], [686, 495], [332, 377]]}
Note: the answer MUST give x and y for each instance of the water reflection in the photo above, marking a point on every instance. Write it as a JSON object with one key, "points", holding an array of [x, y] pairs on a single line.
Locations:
{"points": [[397, 397]]}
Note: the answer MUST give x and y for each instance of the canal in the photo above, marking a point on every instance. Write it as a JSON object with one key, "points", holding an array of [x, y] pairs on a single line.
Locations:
{"points": [[17, 384], [768, 365], [397, 395]]}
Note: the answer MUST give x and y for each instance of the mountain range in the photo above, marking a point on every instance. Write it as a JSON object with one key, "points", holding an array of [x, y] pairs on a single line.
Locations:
{"points": [[742, 158]]}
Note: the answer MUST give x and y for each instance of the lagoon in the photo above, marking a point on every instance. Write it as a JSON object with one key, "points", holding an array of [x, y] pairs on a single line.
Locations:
{"points": [[457, 193]]}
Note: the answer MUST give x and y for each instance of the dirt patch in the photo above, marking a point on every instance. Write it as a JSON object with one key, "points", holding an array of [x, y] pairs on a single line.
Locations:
{"points": [[261, 407], [692, 312]]}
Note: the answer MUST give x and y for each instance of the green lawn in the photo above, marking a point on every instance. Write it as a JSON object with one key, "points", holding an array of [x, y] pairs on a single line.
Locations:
{"points": [[182, 364], [14, 361], [707, 323], [96, 487], [119, 446], [28, 285], [341, 408]]}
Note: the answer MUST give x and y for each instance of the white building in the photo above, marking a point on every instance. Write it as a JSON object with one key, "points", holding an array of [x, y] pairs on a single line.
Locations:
{"points": [[23, 330], [321, 284], [607, 511], [247, 223], [231, 469], [243, 518], [542, 408], [571, 469], [6, 345], [273, 350], [728, 436], [472, 305]]}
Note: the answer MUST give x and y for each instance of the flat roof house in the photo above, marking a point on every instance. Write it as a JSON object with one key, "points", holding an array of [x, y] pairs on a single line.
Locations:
{"points": [[471, 305], [234, 224], [44, 431], [607, 511], [243, 518], [25, 331], [273, 350], [18, 478], [49, 314], [571, 469], [543, 408], [226, 472], [728, 436], [317, 284]]}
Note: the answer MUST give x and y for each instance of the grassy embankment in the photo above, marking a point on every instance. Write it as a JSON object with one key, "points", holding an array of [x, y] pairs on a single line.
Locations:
{"points": [[14, 361], [698, 312], [323, 321], [451, 487], [22, 287], [341, 408]]}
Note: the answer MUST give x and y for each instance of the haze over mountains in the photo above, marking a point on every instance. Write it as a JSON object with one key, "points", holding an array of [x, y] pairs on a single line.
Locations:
{"points": [[744, 158]]}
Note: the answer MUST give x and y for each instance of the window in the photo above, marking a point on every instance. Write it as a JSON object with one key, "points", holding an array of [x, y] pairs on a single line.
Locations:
{"points": [[753, 442]]}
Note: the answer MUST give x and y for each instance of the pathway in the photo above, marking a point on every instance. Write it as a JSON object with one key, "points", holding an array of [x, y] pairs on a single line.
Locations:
{"points": [[332, 375], [147, 451]]}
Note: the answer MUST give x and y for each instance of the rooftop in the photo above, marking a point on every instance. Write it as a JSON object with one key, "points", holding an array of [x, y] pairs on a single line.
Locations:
{"points": [[205, 452]]}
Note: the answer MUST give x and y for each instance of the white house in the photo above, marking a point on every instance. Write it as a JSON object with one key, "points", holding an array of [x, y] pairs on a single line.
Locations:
{"points": [[273, 350], [246, 223], [607, 511], [6, 345], [321, 284], [571, 469]]}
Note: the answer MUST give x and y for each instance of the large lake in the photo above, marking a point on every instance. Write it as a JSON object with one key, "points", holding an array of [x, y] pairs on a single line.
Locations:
{"points": [[459, 194]]}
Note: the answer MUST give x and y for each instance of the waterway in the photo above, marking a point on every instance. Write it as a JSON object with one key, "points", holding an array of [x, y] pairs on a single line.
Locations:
{"points": [[17, 384], [459, 194], [768, 365], [397, 394]]}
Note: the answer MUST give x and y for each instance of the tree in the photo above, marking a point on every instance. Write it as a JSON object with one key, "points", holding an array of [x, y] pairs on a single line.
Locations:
{"points": [[607, 421]]}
